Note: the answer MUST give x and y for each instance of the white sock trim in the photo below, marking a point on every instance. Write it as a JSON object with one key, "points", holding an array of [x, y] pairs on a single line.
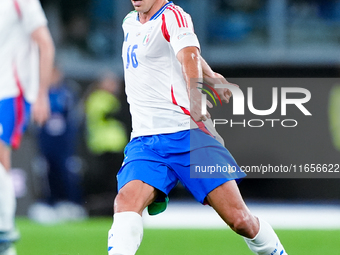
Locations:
{"points": [[266, 241], [125, 234]]}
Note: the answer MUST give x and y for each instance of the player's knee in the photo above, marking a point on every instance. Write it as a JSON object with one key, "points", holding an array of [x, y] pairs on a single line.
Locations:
{"points": [[123, 202], [134, 196], [129, 201], [244, 224]]}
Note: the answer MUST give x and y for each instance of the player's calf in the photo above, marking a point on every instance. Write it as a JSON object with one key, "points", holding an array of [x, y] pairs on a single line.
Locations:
{"points": [[258, 234]]}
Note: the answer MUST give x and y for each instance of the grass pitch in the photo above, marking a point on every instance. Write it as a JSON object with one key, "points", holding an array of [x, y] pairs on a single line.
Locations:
{"points": [[90, 238]]}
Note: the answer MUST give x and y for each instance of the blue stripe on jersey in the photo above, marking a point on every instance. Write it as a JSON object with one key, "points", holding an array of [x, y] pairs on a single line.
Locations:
{"points": [[157, 14], [160, 11]]}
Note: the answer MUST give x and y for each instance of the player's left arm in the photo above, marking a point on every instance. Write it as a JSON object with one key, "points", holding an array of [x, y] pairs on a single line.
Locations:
{"points": [[190, 59], [41, 107]]}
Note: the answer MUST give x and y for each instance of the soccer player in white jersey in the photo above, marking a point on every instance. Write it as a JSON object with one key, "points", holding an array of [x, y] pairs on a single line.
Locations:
{"points": [[26, 61], [161, 54]]}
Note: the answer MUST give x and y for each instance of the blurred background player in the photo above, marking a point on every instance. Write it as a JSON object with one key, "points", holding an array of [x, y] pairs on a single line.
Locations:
{"points": [[26, 61], [161, 57], [59, 170], [106, 137]]}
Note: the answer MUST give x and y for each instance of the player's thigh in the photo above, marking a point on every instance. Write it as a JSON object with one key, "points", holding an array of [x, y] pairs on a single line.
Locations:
{"points": [[135, 196], [141, 181]]}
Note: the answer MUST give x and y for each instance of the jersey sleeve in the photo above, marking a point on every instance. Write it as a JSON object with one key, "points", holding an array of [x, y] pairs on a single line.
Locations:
{"points": [[32, 14], [178, 29]]}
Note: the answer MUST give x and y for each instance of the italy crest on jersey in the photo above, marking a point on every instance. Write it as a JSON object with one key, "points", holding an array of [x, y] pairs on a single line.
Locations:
{"points": [[147, 36]]}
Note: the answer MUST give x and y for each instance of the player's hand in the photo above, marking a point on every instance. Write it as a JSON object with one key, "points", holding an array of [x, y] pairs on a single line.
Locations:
{"points": [[224, 93], [196, 105], [41, 109]]}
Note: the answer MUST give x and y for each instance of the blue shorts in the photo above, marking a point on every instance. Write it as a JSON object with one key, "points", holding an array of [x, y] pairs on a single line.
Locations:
{"points": [[163, 160], [14, 117]]}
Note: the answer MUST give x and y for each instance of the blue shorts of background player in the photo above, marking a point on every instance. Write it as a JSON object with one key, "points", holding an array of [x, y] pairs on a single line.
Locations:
{"points": [[163, 160], [14, 118]]}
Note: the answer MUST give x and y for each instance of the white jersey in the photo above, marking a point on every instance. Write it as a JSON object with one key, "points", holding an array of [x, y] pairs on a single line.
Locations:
{"points": [[155, 86], [19, 56]]}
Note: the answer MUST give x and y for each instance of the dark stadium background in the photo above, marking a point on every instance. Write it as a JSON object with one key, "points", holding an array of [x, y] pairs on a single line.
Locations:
{"points": [[249, 39]]}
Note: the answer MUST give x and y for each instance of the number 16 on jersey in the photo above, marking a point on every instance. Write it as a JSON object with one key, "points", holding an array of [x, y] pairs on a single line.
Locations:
{"points": [[131, 56]]}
